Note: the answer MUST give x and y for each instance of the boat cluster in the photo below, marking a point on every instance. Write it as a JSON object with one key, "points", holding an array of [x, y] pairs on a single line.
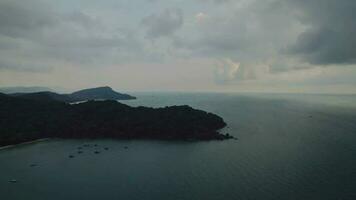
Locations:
{"points": [[95, 148]]}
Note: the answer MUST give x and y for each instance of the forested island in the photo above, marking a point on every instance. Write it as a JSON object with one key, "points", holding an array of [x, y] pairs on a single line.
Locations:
{"points": [[24, 119]]}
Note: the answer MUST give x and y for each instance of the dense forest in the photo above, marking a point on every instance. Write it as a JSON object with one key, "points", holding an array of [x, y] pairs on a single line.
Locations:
{"points": [[23, 119]]}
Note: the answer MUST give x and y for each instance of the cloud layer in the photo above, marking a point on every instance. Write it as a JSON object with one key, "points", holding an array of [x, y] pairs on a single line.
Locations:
{"points": [[239, 42]]}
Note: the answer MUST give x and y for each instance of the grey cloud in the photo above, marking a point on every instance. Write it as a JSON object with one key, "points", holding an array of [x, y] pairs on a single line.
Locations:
{"points": [[330, 38], [216, 1], [26, 66], [286, 35], [163, 24], [93, 50], [33, 32], [19, 18], [221, 1], [253, 32], [80, 18]]}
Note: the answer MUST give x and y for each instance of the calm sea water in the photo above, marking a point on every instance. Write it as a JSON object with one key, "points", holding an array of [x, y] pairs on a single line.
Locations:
{"points": [[289, 147]]}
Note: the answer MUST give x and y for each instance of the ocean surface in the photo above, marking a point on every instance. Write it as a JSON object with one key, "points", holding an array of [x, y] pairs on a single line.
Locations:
{"points": [[289, 147]]}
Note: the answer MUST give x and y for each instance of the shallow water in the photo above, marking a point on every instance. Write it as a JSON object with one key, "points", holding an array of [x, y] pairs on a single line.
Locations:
{"points": [[289, 147]]}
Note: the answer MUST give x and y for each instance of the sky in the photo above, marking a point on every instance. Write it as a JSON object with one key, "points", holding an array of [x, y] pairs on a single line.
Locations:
{"points": [[299, 46]]}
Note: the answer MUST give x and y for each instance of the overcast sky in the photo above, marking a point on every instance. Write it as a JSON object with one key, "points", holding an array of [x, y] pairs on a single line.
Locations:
{"points": [[185, 45]]}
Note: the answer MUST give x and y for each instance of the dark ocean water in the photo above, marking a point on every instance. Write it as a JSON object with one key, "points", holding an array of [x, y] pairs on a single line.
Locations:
{"points": [[289, 147]]}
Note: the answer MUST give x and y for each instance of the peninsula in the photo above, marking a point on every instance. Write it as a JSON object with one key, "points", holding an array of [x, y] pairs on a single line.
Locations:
{"points": [[24, 119]]}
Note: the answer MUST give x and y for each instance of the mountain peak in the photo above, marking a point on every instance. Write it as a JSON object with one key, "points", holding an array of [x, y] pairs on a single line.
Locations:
{"points": [[104, 92]]}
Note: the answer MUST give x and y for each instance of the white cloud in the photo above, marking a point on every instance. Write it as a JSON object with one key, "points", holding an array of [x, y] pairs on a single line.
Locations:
{"points": [[226, 70], [201, 17]]}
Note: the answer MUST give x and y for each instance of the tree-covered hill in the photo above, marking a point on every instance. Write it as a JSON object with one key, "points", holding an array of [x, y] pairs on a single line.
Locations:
{"points": [[28, 119]]}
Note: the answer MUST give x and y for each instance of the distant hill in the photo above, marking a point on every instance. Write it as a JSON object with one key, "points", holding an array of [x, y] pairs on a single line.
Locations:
{"points": [[106, 93], [45, 96], [100, 93], [9, 90]]}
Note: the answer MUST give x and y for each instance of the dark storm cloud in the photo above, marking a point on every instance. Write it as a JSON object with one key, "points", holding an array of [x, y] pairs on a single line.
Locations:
{"points": [[330, 38], [163, 24]]}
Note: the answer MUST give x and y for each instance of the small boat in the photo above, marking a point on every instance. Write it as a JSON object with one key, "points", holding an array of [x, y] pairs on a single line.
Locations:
{"points": [[71, 156], [96, 152], [13, 181]]}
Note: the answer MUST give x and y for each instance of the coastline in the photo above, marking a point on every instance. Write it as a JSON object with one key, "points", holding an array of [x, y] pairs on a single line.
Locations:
{"points": [[23, 143]]}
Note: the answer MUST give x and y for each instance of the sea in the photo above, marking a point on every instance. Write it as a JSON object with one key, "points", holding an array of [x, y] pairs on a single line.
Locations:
{"points": [[288, 147]]}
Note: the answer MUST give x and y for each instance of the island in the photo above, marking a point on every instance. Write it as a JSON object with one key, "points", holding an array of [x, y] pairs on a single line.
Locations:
{"points": [[99, 93], [27, 119]]}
